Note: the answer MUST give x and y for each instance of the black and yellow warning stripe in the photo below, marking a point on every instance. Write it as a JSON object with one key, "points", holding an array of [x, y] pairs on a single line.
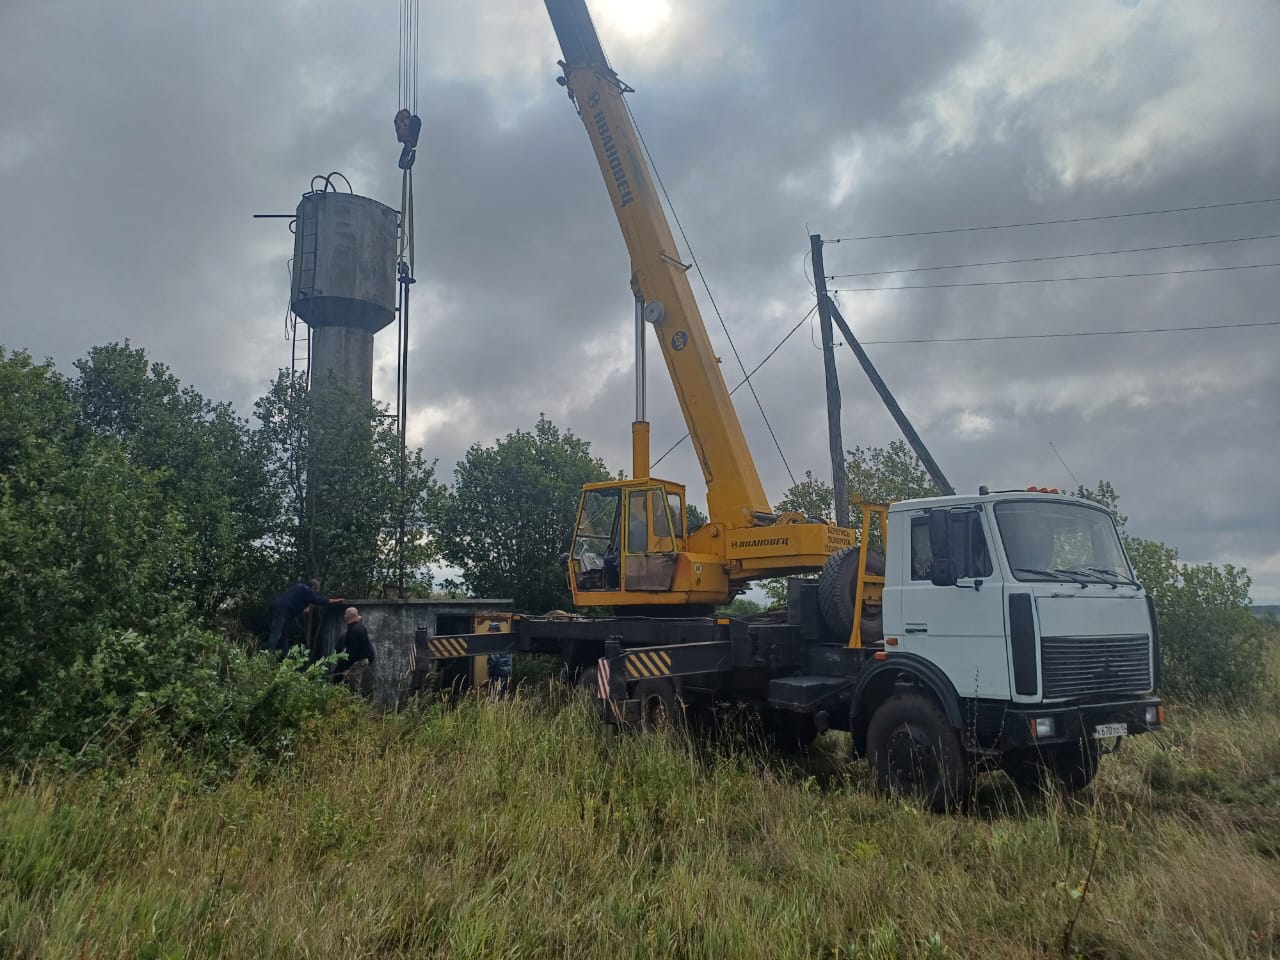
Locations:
{"points": [[648, 664], [447, 646]]}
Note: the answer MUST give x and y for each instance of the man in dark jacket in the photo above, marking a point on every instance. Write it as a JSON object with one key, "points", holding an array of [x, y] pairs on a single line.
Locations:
{"points": [[287, 605], [356, 657]]}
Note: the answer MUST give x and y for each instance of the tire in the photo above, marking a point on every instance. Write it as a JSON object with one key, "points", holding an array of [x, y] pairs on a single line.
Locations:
{"points": [[914, 751], [1073, 765], [837, 589], [660, 709]]}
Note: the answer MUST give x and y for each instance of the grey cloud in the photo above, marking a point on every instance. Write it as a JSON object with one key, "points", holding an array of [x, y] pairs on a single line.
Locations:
{"points": [[146, 134]]}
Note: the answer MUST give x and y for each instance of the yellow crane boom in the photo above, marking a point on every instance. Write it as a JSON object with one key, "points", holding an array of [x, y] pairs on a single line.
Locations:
{"points": [[630, 542]]}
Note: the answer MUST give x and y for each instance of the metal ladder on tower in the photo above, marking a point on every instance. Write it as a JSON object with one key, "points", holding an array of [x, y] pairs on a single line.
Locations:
{"points": [[306, 268]]}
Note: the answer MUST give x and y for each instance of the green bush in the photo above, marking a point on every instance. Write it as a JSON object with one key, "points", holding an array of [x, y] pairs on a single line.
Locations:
{"points": [[98, 649], [183, 693], [1214, 649]]}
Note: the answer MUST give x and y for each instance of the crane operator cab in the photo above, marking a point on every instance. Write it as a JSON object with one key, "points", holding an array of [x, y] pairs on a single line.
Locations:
{"points": [[628, 538]]}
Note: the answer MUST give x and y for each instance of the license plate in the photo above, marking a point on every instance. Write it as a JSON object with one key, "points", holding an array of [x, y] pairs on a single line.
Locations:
{"points": [[1104, 730]]}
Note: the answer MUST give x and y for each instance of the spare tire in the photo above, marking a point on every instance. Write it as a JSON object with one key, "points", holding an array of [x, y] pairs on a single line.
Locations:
{"points": [[837, 593]]}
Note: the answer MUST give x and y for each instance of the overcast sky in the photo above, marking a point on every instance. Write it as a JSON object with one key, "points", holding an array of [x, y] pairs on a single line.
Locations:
{"points": [[138, 137]]}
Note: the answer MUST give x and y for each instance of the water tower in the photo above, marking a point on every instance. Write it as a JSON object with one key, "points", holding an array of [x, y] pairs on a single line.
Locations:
{"points": [[344, 282]]}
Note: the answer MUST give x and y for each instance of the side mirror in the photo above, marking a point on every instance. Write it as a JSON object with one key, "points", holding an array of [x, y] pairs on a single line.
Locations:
{"points": [[942, 570]]}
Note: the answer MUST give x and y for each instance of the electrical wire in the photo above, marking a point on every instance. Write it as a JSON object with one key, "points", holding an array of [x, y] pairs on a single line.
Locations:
{"points": [[683, 236], [1015, 336], [767, 358], [1100, 276], [1078, 333], [1042, 223], [1061, 256]]}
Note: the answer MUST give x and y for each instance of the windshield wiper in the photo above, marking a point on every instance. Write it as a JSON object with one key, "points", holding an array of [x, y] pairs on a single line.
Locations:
{"points": [[1051, 574], [1107, 572], [1090, 575], [1086, 576]]}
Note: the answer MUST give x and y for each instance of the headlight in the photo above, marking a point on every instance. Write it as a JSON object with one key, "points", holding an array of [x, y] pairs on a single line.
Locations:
{"points": [[1155, 716], [1043, 726]]}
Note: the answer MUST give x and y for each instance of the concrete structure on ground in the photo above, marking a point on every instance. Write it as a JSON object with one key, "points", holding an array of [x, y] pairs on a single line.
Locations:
{"points": [[392, 625]]}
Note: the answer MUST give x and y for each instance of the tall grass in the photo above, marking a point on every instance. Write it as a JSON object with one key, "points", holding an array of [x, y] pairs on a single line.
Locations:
{"points": [[523, 829]]}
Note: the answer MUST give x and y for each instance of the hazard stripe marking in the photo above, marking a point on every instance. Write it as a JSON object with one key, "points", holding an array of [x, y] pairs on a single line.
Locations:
{"points": [[448, 647], [602, 679], [647, 665]]}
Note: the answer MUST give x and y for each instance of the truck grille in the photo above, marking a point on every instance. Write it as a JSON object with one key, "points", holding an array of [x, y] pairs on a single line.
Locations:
{"points": [[1083, 666]]}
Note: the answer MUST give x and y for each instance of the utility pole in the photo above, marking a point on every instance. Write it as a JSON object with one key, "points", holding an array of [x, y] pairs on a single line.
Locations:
{"points": [[839, 479], [882, 388]]}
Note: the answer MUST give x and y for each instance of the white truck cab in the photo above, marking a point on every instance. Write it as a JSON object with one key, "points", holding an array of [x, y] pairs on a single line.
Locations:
{"points": [[1035, 602], [1018, 615]]}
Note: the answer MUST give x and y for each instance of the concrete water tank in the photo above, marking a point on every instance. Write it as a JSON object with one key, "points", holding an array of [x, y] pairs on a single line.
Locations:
{"points": [[344, 261], [344, 282]]}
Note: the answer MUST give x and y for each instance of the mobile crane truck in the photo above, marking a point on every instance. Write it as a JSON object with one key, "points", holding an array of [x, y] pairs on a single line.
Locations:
{"points": [[1003, 630]]}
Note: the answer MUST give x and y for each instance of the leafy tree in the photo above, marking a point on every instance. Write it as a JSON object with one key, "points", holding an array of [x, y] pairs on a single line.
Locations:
{"points": [[887, 474], [874, 475], [339, 523], [811, 497], [740, 607], [99, 651], [91, 542], [204, 459], [511, 512], [693, 517]]}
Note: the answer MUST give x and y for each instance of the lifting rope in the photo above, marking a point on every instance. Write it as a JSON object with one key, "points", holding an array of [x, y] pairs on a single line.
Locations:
{"points": [[408, 126]]}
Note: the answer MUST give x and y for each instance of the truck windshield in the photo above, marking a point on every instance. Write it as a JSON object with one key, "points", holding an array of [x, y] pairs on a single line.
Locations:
{"points": [[1061, 541]]}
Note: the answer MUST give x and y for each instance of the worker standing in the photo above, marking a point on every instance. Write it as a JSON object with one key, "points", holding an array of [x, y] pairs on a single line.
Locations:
{"points": [[356, 658], [290, 603]]}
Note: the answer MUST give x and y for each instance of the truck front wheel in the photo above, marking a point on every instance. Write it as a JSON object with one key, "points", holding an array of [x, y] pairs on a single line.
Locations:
{"points": [[914, 751]]}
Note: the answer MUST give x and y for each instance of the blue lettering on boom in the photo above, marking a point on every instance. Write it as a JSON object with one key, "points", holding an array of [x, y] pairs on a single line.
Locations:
{"points": [[616, 168]]}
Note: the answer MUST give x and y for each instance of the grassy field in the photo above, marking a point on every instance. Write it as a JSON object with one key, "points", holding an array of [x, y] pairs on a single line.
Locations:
{"points": [[522, 829]]}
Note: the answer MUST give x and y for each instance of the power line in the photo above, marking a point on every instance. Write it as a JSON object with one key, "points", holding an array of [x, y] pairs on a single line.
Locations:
{"points": [[1079, 333], [1042, 223], [1013, 336], [1061, 256], [1100, 276], [767, 358]]}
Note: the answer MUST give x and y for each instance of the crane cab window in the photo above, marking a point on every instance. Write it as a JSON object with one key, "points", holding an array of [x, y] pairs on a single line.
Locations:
{"points": [[652, 542], [638, 522], [595, 559]]}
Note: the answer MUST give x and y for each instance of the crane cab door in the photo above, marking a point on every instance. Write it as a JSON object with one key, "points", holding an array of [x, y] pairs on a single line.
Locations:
{"points": [[627, 539], [595, 563], [655, 535]]}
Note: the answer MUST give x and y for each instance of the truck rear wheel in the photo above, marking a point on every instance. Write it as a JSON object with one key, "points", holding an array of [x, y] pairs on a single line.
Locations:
{"points": [[837, 594], [660, 709], [914, 751]]}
